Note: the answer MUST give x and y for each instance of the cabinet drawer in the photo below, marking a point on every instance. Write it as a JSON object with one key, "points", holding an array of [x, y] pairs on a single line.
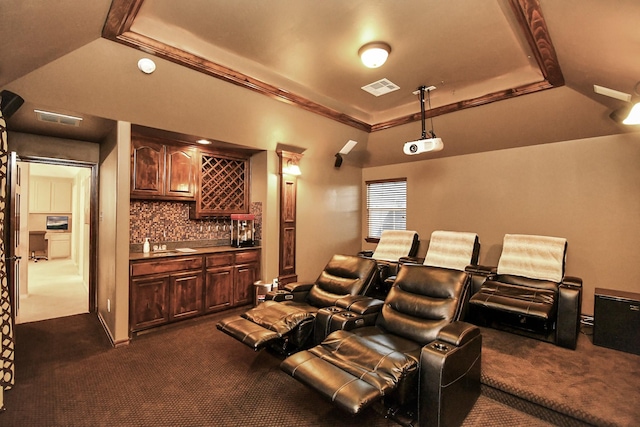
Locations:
{"points": [[166, 266], [220, 260], [248, 256]]}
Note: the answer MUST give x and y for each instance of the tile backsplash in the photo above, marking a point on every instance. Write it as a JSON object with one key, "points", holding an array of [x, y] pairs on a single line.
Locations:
{"points": [[170, 222]]}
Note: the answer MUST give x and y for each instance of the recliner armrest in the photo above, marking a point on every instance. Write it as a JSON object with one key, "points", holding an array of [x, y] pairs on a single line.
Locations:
{"points": [[485, 270], [450, 370], [411, 260], [569, 308], [279, 295], [299, 286], [458, 333], [360, 304], [479, 273], [296, 291], [571, 281], [365, 254]]}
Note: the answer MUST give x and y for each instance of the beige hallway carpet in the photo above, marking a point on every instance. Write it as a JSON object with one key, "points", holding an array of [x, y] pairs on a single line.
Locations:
{"points": [[55, 289]]}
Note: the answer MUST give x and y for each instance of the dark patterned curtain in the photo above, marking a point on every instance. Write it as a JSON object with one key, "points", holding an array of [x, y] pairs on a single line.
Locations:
{"points": [[6, 324]]}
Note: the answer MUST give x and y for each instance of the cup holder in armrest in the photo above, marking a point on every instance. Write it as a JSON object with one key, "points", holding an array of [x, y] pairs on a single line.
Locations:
{"points": [[440, 347], [349, 314], [281, 291], [334, 309]]}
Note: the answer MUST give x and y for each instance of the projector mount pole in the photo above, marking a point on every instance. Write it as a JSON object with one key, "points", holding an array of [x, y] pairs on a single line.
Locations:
{"points": [[424, 132], [428, 89]]}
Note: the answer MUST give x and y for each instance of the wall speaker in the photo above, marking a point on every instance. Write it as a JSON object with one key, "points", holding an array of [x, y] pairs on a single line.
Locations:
{"points": [[9, 103], [338, 162], [617, 320]]}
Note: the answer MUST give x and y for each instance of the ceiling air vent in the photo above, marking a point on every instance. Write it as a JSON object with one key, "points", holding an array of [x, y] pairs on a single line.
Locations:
{"points": [[63, 119], [381, 87]]}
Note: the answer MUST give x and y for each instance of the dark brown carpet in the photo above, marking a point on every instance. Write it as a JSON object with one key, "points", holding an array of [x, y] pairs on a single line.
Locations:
{"points": [[593, 384], [189, 374]]}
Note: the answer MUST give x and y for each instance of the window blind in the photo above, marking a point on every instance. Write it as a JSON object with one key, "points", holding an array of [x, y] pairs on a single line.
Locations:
{"points": [[386, 206]]}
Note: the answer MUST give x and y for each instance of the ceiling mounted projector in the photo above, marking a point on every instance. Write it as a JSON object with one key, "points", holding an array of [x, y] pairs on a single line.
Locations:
{"points": [[424, 144]]}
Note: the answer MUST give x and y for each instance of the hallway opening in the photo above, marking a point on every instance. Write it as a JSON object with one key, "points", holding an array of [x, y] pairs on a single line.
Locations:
{"points": [[54, 229]]}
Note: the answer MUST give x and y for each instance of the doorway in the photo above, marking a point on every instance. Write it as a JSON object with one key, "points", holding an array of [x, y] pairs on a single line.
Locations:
{"points": [[54, 229]]}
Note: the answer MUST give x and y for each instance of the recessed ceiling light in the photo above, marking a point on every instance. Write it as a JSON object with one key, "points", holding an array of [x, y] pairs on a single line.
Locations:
{"points": [[203, 141], [146, 65]]}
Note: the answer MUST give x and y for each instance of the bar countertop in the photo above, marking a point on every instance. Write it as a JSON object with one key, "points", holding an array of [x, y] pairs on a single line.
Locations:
{"points": [[136, 256]]}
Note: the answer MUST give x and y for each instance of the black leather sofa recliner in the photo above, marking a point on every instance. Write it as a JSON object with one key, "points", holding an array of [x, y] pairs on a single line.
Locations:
{"points": [[417, 359], [528, 293], [447, 249], [285, 321], [393, 245]]}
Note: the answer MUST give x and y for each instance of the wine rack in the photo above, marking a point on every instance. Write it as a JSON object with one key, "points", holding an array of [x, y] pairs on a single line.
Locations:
{"points": [[224, 186]]}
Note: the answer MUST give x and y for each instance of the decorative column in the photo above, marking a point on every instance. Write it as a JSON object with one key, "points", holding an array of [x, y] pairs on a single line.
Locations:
{"points": [[6, 322], [289, 172]]}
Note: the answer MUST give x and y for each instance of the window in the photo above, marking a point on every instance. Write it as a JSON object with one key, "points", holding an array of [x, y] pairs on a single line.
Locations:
{"points": [[386, 206]]}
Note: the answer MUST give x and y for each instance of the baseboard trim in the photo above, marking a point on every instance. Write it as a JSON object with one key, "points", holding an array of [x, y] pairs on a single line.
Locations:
{"points": [[114, 343]]}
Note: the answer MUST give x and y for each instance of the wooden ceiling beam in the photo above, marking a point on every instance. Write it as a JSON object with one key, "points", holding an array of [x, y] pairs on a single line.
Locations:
{"points": [[527, 12]]}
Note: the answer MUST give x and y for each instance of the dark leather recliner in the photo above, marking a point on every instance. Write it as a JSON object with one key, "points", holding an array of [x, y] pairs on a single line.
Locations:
{"points": [[417, 359], [285, 322], [447, 249], [393, 245], [528, 292]]}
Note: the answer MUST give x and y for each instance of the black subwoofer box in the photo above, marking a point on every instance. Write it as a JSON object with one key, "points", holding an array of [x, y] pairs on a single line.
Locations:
{"points": [[616, 320]]}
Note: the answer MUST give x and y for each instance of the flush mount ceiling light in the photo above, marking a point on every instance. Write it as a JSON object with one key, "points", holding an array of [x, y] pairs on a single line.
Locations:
{"points": [[146, 65], [203, 141], [373, 55]]}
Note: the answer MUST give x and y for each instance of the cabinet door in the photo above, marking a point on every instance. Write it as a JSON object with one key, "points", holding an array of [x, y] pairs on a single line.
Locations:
{"points": [[59, 245], [61, 195], [39, 195], [245, 276], [218, 289], [147, 168], [149, 302], [180, 172], [186, 295]]}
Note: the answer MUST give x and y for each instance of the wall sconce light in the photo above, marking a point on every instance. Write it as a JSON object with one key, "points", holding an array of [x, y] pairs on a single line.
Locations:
{"points": [[373, 55], [292, 168], [290, 163], [344, 151], [634, 116]]}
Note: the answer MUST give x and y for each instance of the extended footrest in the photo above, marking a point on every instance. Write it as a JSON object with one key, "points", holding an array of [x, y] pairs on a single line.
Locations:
{"points": [[341, 387], [247, 332]]}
